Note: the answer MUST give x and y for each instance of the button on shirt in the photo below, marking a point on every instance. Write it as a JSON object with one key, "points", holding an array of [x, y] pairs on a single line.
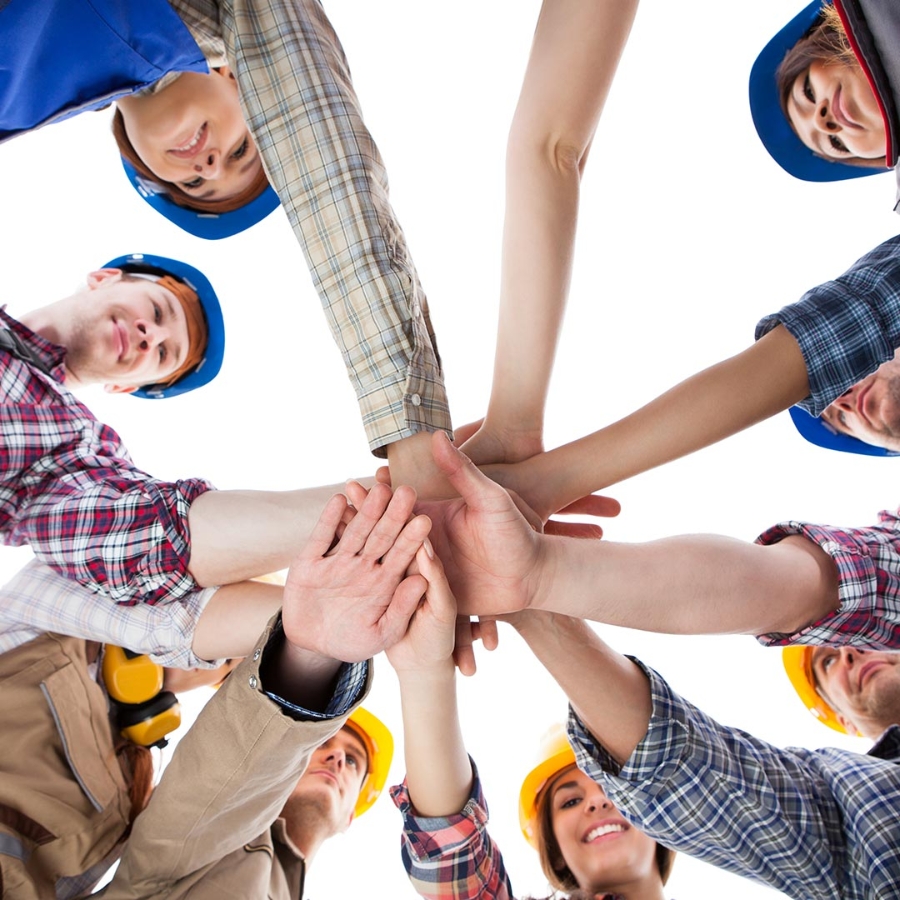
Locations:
{"points": [[69, 489]]}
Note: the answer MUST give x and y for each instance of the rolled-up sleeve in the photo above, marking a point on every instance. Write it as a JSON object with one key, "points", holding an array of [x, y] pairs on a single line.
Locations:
{"points": [[848, 327], [299, 102]]}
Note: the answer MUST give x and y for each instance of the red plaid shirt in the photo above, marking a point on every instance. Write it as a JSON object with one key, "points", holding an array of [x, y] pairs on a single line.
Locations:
{"points": [[868, 562], [69, 489]]}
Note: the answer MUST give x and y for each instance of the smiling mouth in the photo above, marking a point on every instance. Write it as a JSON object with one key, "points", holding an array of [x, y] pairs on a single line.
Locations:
{"points": [[839, 113], [120, 340], [602, 831], [193, 145], [866, 672]]}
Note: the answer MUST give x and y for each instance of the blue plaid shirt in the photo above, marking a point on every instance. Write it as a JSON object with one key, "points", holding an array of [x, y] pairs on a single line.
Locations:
{"points": [[848, 327], [814, 824]]}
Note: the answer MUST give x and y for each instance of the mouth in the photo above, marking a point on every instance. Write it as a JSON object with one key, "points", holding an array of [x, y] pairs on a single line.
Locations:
{"points": [[603, 830], [120, 340], [866, 672], [840, 113], [326, 774], [193, 145]]}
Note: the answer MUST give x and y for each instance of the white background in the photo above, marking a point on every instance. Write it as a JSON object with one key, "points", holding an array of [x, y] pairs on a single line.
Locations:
{"points": [[689, 233]]}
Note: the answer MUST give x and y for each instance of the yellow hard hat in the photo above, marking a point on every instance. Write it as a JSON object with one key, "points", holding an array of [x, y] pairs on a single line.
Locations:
{"points": [[380, 749], [798, 665], [554, 755]]}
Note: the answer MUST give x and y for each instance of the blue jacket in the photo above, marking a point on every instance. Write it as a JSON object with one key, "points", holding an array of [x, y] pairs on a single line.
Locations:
{"points": [[62, 57]]}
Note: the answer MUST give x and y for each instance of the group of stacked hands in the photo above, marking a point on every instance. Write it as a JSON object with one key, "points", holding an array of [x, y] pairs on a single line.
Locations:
{"points": [[284, 756]]}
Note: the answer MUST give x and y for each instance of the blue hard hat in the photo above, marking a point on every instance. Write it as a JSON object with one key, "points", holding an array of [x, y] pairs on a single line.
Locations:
{"points": [[772, 126], [212, 226], [817, 432], [209, 366]]}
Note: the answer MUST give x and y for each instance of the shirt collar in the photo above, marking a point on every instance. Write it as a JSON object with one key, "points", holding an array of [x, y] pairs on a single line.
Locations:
{"points": [[888, 745], [51, 355]]}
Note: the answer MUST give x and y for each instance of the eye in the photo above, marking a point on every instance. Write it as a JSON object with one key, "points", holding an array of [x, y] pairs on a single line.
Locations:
{"points": [[571, 802], [163, 353], [352, 760], [842, 419], [192, 185], [837, 144], [807, 89], [241, 151], [157, 313]]}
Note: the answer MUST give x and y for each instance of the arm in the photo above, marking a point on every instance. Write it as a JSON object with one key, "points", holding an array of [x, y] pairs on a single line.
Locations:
{"points": [[574, 56], [698, 584], [234, 770], [331, 181], [765, 379], [446, 849], [685, 780], [810, 351]]}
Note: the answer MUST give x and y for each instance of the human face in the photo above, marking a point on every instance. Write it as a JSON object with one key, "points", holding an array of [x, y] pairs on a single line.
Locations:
{"points": [[870, 410], [335, 775], [601, 849], [123, 333], [863, 686], [192, 133], [834, 112]]}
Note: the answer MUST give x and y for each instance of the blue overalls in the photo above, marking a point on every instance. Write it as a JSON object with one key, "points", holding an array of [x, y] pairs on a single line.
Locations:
{"points": [[62, 57]]}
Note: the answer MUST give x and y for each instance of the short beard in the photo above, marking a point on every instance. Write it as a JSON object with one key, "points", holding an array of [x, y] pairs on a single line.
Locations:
{"points": [[892, 424], [310, 815]]}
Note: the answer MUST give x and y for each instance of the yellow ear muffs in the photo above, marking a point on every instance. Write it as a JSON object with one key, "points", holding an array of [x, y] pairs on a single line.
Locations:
{"points": [[130, 677], [147, 724]]}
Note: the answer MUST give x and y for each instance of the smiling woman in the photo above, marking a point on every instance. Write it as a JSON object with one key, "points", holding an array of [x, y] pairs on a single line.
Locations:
{"points": [[188, 135]]}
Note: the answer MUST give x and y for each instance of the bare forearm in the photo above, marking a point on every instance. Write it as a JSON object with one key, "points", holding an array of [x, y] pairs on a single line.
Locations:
{"points": [[237, 535], [438, 771], [234, 618], [576, 49], [765, 379], [610, 694], [693, 584]]}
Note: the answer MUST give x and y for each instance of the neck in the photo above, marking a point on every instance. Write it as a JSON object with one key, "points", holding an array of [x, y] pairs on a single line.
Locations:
{"points": [[646, 889], [43, 322], [307, 827]]}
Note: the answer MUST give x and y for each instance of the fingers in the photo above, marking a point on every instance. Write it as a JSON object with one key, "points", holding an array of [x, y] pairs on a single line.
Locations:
{"points": [[464, 432], [463, 653], [404, 602], [326, 528], [387, 530], [383, 475], [406, 545], [487, 632], [476, 489], [592, 505], [356, 492], [440, 597], [573, 529]]}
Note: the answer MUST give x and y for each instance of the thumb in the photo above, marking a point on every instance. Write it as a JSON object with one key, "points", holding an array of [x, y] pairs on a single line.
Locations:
{"points": [[405, 601], [461, 472]]}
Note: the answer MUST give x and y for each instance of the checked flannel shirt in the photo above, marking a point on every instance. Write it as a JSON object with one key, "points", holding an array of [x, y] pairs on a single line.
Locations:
{"points": [[298, 99], [69, 489], [848, 327], [868, 563], [813, 824], [452, 857]]}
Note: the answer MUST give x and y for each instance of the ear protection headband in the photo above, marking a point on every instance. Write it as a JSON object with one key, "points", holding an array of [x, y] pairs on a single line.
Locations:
{"points": [[143, 711]]}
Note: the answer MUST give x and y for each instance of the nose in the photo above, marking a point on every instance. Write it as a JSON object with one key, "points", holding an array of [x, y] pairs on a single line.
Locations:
{"points": [[850, 656], [847, 401], [336, 756], [209, 164], [150, 335], [823, 120], [598, 800]]}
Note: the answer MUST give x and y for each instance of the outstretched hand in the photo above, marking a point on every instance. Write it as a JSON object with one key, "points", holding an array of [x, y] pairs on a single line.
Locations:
{"points": [[348, 595], [490, 552]]}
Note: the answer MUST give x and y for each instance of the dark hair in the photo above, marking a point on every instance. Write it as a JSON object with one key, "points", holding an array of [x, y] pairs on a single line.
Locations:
{"points": [[825, 42], [553, 865], [173, 191]]}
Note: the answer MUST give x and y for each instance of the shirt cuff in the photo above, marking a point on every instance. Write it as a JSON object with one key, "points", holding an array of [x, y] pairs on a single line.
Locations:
{"points": [[432, 837], [351, 682]]}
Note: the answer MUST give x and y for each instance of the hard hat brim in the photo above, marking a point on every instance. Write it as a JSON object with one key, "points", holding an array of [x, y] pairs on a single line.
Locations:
{"points": [[817, 432]]}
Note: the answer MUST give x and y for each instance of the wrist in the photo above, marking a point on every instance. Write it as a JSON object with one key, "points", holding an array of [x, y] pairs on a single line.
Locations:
{"points": [[427, 675]]}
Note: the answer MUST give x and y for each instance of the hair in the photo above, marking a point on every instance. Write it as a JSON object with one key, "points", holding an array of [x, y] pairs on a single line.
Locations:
{"points": [[825, 42], [554, 867], [178, 196], [137, 766]]}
